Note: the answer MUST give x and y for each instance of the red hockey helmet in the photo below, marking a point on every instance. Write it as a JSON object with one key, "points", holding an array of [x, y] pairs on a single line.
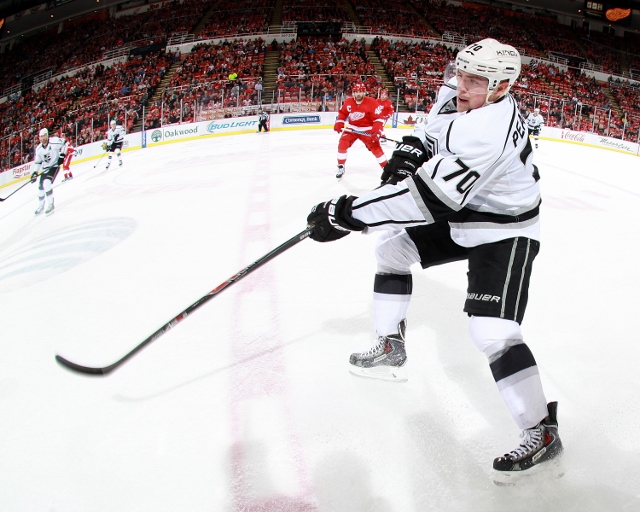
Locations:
{"points": [[358, 87]]}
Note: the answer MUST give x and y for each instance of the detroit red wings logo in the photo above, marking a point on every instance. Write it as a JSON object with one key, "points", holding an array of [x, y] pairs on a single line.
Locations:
{"points": [[356, 116], [617, 14]]}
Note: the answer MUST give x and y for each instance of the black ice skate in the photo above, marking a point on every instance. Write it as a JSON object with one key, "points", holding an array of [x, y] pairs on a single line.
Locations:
{"points": [[341, 171], [385, 361], [540, 444], [49, 209]]}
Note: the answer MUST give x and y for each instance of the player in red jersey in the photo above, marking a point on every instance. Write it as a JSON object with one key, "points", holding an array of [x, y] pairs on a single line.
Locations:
{"points": [[364, 114], [387, 111], [70, 152]]}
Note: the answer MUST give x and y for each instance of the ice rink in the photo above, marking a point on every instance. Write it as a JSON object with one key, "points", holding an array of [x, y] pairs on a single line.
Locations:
{"points": [[248, 405]]}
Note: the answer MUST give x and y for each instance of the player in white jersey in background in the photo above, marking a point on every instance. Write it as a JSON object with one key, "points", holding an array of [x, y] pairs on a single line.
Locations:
{"points": [[535, 122], [464, 189], [49, 155], [115, 140]]}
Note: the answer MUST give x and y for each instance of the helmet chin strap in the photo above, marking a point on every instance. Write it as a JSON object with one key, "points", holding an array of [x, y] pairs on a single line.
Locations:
{"points": [[487, 101], [501, 95]]}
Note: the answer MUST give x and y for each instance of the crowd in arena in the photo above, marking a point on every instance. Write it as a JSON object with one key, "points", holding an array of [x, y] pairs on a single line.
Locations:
{"points": [[311, 10], [312, 69], [392, 17], [241, 18], [105, 65]]}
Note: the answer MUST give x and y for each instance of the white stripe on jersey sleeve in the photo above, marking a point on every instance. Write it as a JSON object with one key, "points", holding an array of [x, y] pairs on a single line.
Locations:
{"points": [[388, 206]]}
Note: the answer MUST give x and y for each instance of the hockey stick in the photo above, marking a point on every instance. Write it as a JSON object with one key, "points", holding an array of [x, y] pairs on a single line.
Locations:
{"points": [[100, 160], [21, 186], [367, 134], [105, 370]]}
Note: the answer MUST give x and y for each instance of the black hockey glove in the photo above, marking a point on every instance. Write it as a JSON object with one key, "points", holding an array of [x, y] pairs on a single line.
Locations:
{"points": [[34, 176], [405, 161], [333, 220]]}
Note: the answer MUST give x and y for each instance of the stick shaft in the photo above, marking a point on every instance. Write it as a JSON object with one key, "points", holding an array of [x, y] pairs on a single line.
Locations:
{"points": [[367, 134], [21, 186], [105, 370]]}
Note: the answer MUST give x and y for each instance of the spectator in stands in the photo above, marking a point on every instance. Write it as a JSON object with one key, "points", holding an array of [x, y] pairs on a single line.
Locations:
{"points": [[258, 89]]}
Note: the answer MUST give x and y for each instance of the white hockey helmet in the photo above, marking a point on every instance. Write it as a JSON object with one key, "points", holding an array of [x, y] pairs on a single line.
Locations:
{"points": [[536, 110], [43, 131], [113, 122], [492, 60]]}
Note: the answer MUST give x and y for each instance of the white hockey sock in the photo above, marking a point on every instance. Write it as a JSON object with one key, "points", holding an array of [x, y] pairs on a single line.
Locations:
{"points": [[47, 189], [513, 367], [395, 253], [388, 311]]}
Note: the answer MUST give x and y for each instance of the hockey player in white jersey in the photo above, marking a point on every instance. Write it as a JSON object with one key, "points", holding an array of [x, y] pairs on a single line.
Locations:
{"points": [[464, 189], [535, 122], [115, 140], [49, 155]]}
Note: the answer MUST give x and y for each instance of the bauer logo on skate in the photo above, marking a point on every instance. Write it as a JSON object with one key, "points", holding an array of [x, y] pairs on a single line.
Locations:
{"points": [[485, 297]]}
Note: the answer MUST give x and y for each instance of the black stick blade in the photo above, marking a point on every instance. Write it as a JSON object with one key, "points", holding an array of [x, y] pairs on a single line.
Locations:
{"points": [[86, 370]]}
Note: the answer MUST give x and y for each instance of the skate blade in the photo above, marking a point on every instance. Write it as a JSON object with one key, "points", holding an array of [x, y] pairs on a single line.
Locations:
{"points": [[540, 474], [386, 373]]}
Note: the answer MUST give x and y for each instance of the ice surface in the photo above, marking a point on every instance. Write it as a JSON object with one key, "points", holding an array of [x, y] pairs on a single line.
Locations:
{"points": [[248, 405]]}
